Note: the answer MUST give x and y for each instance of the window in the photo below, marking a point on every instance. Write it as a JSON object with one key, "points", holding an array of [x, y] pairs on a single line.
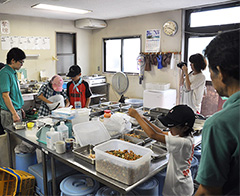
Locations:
{"points": [[120, 54], [202, 25]]}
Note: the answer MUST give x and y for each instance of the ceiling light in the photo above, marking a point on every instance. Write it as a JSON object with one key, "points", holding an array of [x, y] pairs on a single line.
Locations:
{"points": [[60, 8]]}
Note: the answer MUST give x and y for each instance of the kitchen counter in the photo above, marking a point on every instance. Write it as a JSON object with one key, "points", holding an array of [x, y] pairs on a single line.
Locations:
{"points": [[29, 135], [28, 96]]}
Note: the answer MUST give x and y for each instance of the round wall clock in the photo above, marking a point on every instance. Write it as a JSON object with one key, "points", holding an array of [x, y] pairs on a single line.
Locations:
{"points": [[170, 28]]}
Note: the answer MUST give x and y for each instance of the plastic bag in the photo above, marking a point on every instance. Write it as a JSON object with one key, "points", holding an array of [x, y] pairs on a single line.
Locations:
{"points": [[58, 101], [118, 123]]}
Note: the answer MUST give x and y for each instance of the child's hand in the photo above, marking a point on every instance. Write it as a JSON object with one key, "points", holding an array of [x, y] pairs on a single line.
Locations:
{"points": [[132, 112]]}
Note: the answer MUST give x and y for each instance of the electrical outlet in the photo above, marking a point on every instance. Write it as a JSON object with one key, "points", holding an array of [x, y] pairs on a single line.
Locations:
{"points": [[98, 68]]}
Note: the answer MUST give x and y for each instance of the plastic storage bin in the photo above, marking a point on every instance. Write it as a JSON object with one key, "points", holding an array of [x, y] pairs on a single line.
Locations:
{"points": [[79, 185], [149, 187], [127, 172], [92, 132], [24, 160], [62, 171]]}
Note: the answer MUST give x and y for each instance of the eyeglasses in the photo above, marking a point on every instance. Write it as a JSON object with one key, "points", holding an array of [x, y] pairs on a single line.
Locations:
{"points": [[21, 61]]}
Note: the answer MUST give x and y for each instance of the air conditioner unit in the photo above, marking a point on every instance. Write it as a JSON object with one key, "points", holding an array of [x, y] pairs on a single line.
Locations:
{"points": [[90, 24]]}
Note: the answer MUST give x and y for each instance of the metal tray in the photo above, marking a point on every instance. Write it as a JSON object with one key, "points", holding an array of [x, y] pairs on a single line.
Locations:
{"points": [[158, 152], [142, 140], [84, 153], [19, 125]]}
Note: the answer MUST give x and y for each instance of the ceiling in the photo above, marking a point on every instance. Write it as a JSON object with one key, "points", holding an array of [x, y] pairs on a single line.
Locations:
{"points": [[101, 9]]}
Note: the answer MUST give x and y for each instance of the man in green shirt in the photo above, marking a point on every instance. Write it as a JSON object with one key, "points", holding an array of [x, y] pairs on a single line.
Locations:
{"points": [[11, 100], [218, 172]]}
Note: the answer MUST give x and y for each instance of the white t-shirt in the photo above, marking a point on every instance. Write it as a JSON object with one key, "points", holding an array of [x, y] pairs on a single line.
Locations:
{"points": [[178, 179], [193, 98]]}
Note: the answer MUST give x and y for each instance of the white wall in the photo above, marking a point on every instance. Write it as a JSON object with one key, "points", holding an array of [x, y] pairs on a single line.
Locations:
{"points": [[89, 46], [137, 26], [31, 26]]}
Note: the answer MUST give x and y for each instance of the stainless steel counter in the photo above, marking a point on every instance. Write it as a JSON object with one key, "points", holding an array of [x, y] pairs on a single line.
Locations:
{"points": [[29, 135]]}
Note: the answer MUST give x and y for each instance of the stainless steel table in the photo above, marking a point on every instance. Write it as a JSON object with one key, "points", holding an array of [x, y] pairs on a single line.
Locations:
{"points": [[29, 135]]}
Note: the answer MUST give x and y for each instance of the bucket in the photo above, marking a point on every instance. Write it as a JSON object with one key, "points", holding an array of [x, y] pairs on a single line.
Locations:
{"points": [[82, 115], [194, 167], [161, 178], [4, 153], [150, 187], [106, 191], [197, 154], [24, 160], [78, 185]]}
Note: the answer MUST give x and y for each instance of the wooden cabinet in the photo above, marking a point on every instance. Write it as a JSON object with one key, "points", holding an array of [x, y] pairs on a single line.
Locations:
{"points": [[100, 92]]}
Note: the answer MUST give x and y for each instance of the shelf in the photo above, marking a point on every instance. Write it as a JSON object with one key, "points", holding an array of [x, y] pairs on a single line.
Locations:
{"points": [[97, 95]]}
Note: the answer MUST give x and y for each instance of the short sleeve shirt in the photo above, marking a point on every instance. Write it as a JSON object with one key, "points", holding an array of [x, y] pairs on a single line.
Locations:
{"points": [[9, 83], [178, 179], [47, 92], [193, 97], [219, 165], [81, 94]]}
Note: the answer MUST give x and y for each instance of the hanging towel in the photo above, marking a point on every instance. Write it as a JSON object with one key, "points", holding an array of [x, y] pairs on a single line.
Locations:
{"points": [[173, 61], [159, 59], [148, 65], [141, 64]]}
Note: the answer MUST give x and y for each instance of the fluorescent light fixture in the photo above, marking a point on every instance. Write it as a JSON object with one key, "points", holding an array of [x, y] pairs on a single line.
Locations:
{"points": [[60, 8]]}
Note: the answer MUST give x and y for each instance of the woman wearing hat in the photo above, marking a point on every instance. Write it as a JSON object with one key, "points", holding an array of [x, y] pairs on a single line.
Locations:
{"points": [[52, 96], [179, 143]]}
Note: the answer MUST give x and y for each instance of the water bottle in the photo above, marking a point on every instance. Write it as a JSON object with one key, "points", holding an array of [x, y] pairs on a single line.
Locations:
{"points": [[63, 130], [52, 137]]}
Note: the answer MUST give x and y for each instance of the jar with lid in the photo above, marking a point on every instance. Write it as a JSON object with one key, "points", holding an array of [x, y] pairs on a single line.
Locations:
{"points": [[107, 113]]}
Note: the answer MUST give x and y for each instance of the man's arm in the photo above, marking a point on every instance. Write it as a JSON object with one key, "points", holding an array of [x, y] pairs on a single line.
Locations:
{"points": [[207, 190], [8, 103]]}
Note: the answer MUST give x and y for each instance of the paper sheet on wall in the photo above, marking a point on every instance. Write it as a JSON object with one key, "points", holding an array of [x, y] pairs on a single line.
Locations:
{"points": [[152, 43], [5, 27], [25, 43]]}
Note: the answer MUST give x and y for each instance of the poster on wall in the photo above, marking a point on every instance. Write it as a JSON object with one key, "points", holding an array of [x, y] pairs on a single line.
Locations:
{"points": [[25, 43], [152, 43], [5, 27]]}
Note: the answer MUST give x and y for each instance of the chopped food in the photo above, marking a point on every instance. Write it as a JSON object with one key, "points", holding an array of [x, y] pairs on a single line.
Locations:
{"points": [[124, 154], [92, 156], [133, 135]]}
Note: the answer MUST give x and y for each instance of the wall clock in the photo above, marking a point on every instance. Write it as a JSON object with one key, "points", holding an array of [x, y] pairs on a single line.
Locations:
{"points": [[170, 28]]}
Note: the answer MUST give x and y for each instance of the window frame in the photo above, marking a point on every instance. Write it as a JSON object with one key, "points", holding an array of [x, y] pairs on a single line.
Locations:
{"points": [[205, 31], [122, 38]]}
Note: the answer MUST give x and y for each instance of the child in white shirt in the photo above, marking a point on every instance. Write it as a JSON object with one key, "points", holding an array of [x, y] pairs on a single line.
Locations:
{"points": [[180, 146]]}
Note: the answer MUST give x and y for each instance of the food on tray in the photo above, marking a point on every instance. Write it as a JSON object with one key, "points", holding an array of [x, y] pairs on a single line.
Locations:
{"points": [[131, 156], [91, 156], [133, 135]]}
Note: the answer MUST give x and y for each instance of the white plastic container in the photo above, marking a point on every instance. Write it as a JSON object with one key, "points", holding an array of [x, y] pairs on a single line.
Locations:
{"points": [[52, 137], [63, 131], [125, 171], [157, 86], [81, 115], [92, 132]]}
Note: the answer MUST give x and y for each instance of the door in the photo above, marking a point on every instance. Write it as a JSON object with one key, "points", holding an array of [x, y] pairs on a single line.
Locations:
{"points": [[66, 52]]}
